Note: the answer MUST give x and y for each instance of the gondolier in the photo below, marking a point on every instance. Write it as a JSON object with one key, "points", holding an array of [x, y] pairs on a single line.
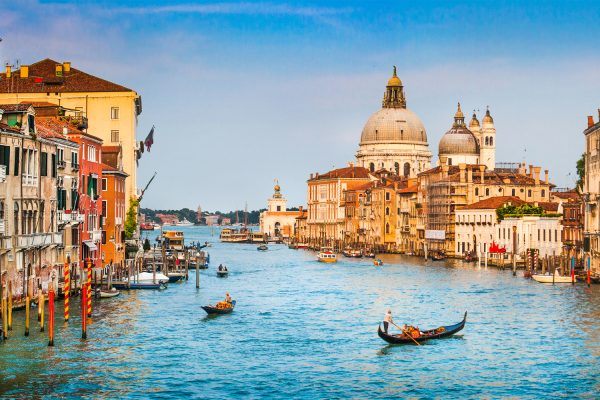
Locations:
{"points": [[387, 320]]}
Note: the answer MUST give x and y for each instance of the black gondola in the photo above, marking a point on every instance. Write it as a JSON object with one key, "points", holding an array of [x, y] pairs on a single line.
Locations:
{"points": [[437, 333], [222, 274], [215, 310]]}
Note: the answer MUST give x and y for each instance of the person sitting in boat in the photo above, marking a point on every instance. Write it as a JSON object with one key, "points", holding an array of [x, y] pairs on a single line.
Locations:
{"points": [[220, 267], [387, 320], [227, 298], [225, 268]]}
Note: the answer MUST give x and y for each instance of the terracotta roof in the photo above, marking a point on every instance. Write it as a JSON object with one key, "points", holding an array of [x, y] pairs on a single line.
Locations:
{"points": [[53, 127], [548, 206], [42, 78], [570, 195], [8, 128], [347, 172], [409, 189], [40, 104], [493, 203], [15, 107]]}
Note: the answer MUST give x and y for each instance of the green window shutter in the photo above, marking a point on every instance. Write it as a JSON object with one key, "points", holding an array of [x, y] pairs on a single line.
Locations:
{"points": [[5, 156], [53, 166], [17, 156], [58, 199], [44, 164], [89, 186]]}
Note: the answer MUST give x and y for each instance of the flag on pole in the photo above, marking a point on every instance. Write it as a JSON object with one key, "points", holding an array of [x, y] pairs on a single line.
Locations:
{"points": [[149, 141]]}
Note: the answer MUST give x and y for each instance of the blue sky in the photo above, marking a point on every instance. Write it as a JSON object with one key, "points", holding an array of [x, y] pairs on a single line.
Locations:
{"points": [[244, 93]]}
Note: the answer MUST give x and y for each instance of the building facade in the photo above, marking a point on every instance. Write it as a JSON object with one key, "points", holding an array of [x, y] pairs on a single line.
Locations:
{"points": [[113, 206], [108, 109], [277, 221], [591, 192]]}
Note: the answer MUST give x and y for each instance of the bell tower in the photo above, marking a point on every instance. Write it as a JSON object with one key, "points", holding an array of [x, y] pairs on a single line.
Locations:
{"points": [[488, 141]]}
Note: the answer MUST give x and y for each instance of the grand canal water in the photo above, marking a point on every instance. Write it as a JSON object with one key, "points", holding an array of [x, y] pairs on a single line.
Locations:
{"points": [[302, 329]]}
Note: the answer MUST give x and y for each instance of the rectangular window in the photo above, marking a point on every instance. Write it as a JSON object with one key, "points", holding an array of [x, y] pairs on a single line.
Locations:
{"points": [[114, 113], [74, 161], [44, 163], [104, 184], [104, 206], [74, 199], [17, 155], [103, 237], [53, 165], [5, 157], [114, 136]]}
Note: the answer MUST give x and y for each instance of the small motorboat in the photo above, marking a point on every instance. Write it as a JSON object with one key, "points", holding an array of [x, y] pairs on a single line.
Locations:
{"points": [[326, 255], [438, 255], [262, 247], [437, 333], [351, 253], [369, 254], [556, 278], [377, 262], [222, 274], [105, 293], [139, 285], [221, 307], [302, 246], [176, 276]]}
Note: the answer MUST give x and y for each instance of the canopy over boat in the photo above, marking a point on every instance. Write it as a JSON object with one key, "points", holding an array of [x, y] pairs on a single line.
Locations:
{"points": [[437, 333], [219, 310]]}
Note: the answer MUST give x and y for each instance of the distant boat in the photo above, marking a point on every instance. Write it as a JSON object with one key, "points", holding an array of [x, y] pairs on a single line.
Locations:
{"points": [[221, 308], [185, 222], [549, 278], [262, 247], [326, 255], [104, 294]]}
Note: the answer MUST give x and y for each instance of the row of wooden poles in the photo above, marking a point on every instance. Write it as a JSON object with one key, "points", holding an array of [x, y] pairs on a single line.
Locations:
{"points": [[86, 306]]}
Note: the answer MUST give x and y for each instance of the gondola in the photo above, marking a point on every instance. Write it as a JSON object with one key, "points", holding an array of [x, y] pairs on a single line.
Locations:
{"points": [[222, 274], [215, 310], [438, 333]]}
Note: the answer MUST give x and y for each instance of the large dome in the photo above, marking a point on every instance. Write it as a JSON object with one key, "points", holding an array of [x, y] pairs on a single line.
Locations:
{"points": [[458, 140], [393, 125]]}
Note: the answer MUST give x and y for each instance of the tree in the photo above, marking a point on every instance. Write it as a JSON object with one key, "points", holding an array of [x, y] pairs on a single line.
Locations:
{"points": [[147, 246], [580, 172], [131, 218]]}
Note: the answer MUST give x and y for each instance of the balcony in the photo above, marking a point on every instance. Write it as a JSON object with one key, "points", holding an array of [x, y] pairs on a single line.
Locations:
{"points": [[30, 180], [79, 217], [6, 243], [75, 166], [61, 164], [118, 221], [39, 239], [96, 236], [2, 228]]}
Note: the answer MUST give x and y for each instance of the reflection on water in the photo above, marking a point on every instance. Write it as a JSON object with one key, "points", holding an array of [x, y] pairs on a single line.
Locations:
{"points": [[309, 330]]}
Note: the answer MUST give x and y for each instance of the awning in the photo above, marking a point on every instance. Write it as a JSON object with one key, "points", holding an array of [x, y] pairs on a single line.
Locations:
{"points": [[91, 245]]}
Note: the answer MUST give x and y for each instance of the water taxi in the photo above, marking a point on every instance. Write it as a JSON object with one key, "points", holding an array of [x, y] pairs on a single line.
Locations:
{"points": [[556, 278], [234, 236], [327, 255]]}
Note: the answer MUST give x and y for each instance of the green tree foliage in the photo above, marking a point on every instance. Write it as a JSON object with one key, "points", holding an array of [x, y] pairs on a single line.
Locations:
{"points": [[518, 211], [580, 172], [131, 218]]}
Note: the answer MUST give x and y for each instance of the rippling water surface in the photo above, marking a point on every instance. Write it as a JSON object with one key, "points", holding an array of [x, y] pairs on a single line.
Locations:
{"points": [[303, 329]]}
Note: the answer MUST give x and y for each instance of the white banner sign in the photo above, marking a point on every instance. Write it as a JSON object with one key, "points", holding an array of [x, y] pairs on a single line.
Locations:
{"points": [[435, 234]]}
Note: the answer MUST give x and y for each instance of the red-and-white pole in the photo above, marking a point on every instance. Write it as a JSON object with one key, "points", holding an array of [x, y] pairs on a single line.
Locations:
{"points": [[572, 270], [51, 317], [84, 312], [89, 287], [67, 287], [589, 272]]}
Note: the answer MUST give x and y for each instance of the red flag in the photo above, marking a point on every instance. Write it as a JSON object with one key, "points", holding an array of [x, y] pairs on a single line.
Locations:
{"points": [[149, 141]]}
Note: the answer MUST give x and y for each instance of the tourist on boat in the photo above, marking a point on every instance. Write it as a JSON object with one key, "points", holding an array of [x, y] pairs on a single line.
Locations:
{"points": [[227, 298], [220, 267], [387, 320]]}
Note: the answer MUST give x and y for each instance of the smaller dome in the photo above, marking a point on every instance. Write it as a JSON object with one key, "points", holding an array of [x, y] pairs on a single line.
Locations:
{"points": [[458, 140], [474, 121], [394, 80], [488, 118]]}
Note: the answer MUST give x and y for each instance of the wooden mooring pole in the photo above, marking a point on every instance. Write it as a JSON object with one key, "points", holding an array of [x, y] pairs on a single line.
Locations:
{"points": [[27, 307], [51, 317]]}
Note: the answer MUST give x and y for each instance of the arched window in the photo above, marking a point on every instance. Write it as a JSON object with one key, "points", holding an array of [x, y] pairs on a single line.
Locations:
{"points": [[491, 140], [387, 228], [387, 211], [487, 191], [387, 196], [372, 167], [406, 169], [487, 140], [529, 193], [476, 191], [543, 193], [397, 168], [449, 161]]}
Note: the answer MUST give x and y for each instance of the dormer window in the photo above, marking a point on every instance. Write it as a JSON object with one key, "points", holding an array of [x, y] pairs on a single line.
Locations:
{"points": [[31, 123]]}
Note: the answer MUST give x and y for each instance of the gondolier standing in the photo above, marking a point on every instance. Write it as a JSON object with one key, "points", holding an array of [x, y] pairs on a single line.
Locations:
{"points": [[387, 320]]}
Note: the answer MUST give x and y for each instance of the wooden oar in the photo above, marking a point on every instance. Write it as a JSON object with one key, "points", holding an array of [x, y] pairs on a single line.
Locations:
{"points": [[407, 334]]}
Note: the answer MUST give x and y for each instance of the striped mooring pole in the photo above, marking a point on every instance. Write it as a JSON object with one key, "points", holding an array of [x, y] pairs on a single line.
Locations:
{"points": [[67, 287], [89, 287]]}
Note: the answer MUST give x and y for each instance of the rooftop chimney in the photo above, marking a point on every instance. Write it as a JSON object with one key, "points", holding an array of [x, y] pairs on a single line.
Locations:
{"points": [[530, 171], [24, 71], [311, 176], [536, 174], [482, 170], [8, 71], [546, 176], [67, 67], [590, 118]]}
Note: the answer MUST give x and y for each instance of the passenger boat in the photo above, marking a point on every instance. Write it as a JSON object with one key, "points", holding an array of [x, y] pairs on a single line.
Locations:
{"points": [[184, 222], [262, 247], [326, 255], [173, 240], [556, 278], [147, 226], [234, 236], [352, 253], [437, 333], [219, 310], [139, 285], [257, 237], [302, 245]]}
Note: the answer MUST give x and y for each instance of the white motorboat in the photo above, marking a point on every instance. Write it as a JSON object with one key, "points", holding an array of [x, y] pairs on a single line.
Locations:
{"points": [[147, 277], [185, 222], [549, 278]]}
